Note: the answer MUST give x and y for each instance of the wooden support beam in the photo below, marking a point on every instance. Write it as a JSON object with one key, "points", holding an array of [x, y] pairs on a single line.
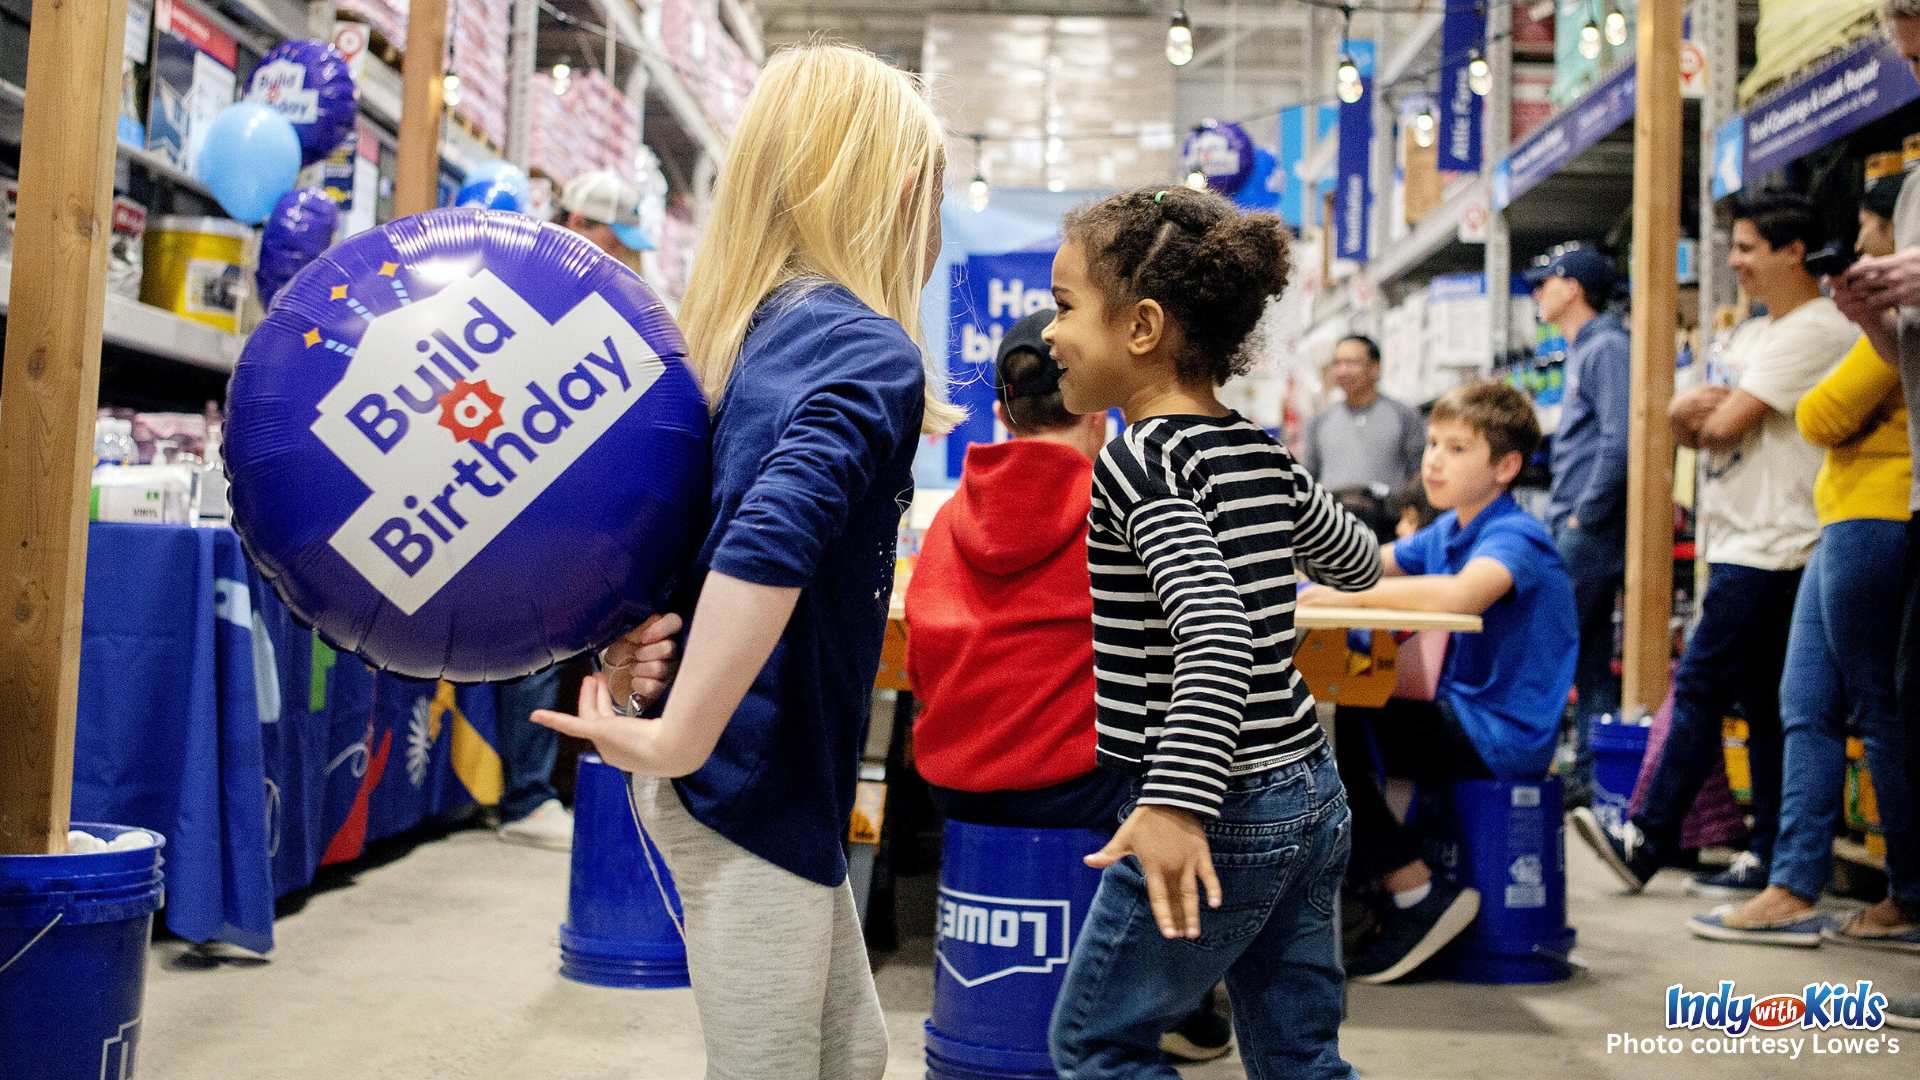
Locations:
{"points": [[48, 396], [1657, 155], [416, 182]]}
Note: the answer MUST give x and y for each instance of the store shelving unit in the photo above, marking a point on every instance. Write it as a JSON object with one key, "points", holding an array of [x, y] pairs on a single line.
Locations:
{"points": [[677, 128], [153, 331]]}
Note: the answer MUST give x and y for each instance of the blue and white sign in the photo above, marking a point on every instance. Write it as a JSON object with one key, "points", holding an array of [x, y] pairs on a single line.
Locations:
{"points": [[1730, 158], [1353, 191], [990, 294], [1857, 89], [1460, 108], [1569, 135]]}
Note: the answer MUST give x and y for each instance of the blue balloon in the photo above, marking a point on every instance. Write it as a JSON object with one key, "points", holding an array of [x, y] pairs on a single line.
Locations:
{"points": [[299, 229], [491, 195], [310, 84], [467, 444], [497, 172], [251, 157]]}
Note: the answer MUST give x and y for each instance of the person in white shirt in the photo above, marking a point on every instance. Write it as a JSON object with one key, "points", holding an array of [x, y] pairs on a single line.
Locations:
{"points": [[1759, 527]]}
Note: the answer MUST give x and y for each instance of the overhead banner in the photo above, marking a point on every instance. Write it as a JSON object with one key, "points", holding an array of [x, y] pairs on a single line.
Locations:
{"points": [[1566, 137], [990, 294], [1353, 190], [1860, 87], [1460, 108]]}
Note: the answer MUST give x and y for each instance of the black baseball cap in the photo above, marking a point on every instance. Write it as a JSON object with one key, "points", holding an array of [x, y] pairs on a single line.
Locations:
{"points": [[1038, 380]]}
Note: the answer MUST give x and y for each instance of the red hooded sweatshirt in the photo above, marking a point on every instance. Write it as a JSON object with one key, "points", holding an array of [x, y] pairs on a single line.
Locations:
{"points": [[1000, 624]]}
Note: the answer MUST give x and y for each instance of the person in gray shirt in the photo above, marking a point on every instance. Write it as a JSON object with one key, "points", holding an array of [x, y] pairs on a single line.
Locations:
{"points": [[1369, 441]]}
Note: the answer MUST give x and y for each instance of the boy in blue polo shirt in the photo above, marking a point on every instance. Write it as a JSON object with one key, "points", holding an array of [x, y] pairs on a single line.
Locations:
{"points": [[1501, 693]]}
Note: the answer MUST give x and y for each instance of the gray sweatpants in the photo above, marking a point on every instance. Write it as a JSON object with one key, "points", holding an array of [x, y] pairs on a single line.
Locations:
{"points": [[778, 964]]}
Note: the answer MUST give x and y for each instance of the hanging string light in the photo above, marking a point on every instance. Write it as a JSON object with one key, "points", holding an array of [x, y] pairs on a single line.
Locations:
{"points": [[1426, 129], [1346, 77], [1590, 37], [450, 89], [1180, 38], [1197, 180], [1479, 74], [1616, 28], [562, 78], [978, 193]]}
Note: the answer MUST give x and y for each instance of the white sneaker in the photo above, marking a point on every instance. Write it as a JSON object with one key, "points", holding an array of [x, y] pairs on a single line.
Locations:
{"points": [[550, 826]]}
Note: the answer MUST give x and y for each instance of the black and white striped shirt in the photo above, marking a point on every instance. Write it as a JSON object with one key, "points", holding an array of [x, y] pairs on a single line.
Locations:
{"points": [[1195, 527]]}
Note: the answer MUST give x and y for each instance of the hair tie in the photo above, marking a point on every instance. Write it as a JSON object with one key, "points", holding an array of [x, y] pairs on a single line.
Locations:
{"points": [[1158, 195]]}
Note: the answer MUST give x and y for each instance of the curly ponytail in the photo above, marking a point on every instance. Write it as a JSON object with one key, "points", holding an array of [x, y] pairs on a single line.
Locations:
{"points": [[1210, 266]]}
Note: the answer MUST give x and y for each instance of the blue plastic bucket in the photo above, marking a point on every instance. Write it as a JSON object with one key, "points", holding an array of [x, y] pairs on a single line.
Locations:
{"points": [[1505, 839], [73, 958], [618, 931], [1011, 905], [1618, 749]]}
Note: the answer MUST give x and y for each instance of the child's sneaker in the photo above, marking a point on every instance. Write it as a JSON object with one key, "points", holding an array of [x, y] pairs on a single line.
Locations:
{"points": [[1743, 877], [1410, 937], [1203, 1036], [1622, 849], [1904, 1012]]}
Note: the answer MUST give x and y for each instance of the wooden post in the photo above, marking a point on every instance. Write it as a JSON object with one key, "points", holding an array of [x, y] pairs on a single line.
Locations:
{"points": [[48, 396], [416, 182], [1657, 155]]}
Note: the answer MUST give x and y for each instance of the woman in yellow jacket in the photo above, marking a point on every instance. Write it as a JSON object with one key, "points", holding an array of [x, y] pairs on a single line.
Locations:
{"points": [[1840, 660]]}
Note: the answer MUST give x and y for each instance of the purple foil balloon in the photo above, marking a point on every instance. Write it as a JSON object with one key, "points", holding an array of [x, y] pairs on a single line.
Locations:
{"points": [[310, 84], [299, 229]]}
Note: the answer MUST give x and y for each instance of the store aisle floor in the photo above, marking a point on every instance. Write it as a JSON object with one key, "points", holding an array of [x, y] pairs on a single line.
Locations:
{"points": [[441, 966]]}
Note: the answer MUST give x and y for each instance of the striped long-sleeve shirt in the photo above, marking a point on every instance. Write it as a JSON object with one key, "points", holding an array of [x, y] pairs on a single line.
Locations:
{"points": [[1195, 526]]}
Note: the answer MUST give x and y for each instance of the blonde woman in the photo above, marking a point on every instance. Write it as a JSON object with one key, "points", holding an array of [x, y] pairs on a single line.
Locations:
{"points": [[802, 320]]}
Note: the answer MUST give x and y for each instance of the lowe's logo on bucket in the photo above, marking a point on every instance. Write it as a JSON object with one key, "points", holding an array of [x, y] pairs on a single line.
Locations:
{"points": [[983, 938], [499, 405]]}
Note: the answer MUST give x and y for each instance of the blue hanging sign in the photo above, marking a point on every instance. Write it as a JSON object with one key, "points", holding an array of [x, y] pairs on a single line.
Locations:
{"points": [[1463, 31], [1569, 135], [1730, 158], [990, 294], [1353, 191], [1855, 90]]}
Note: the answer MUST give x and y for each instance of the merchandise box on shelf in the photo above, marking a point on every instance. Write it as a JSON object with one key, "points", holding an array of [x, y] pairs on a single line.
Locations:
{"points": [[194, 77]]}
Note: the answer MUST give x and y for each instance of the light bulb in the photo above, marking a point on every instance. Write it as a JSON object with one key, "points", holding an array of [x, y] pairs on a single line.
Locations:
{"points": [[562, 71], [978, 193], [1616, 28], [1479, 74], [1347, 81], [1424, 129], [1056, 185], [450, 89], [1179, 39], [1197, 180], [1590, 41]]}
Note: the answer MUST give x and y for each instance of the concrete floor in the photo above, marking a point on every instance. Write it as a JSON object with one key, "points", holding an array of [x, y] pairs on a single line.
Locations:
{"points": [[441, 965]]}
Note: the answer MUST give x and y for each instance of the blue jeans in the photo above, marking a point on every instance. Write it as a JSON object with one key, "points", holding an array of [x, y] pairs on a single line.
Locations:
{"points": [[1280, 849], [1840, 665], [1736, 656], [527, 750], [1597, 561]]}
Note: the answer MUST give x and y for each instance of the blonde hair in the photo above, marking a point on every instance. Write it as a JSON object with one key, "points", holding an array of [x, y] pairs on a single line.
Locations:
{"points": [[831, 176]]}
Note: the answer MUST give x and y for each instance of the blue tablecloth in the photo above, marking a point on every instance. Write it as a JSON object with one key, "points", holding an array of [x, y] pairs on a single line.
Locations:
{"points": [[208, 715]]}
